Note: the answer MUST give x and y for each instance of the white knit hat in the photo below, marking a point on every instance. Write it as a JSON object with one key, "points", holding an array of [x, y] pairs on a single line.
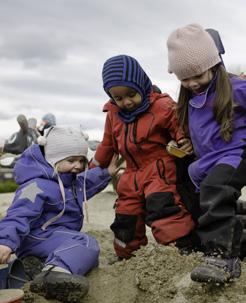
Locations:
{"points": [[61, 142], [191, 51]]}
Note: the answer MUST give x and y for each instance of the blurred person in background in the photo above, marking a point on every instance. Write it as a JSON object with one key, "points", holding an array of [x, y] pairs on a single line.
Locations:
{"points": [[47, 121]]}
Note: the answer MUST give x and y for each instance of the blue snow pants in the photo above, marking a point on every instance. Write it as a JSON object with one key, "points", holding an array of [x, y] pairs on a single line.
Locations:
{"points": [[72, 250]]}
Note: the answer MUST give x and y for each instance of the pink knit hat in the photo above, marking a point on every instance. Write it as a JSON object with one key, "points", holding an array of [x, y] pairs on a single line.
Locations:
{"points": [[191, 51]]}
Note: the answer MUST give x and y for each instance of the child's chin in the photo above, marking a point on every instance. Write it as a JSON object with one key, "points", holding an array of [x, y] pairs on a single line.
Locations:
{"points": [[131, 109], [76, 171]]}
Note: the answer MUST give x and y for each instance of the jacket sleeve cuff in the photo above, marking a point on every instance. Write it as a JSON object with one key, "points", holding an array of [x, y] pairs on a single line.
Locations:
{"points": [[105, 173], [9, 243]]}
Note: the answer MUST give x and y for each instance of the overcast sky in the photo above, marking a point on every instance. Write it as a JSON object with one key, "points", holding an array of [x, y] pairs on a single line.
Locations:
{"points": [[52, 51]]}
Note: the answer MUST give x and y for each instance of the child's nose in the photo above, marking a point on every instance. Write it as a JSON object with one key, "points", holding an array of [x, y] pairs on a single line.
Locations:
{"points": [[78, 164], [127, 101], [192, 83]]}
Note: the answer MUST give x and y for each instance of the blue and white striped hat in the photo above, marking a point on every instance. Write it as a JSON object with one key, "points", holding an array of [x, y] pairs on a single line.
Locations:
{"points": [[123, 70]]}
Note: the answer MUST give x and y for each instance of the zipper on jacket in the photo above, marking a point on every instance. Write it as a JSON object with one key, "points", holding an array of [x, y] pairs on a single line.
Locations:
{"points": [[127, 151], [74, 191], [135, 182], [134, 135]]}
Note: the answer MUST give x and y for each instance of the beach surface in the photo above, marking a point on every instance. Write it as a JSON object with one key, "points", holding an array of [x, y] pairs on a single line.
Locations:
{"points": [[157, 274]]}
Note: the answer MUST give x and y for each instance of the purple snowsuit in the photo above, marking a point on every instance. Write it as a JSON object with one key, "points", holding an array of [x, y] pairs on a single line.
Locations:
{"points": [[219, 172], [210, 148], [37, 200]]}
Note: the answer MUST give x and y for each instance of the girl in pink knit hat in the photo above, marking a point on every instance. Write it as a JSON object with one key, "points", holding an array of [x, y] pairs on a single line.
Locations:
{"points": [[212, 110]]}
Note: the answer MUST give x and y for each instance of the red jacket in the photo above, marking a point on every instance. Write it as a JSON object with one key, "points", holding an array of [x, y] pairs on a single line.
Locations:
{"points": [[143, 140]]}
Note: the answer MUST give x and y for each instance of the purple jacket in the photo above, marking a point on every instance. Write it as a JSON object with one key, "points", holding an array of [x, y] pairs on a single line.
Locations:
{"points": [[39, 199], [209, 146]]}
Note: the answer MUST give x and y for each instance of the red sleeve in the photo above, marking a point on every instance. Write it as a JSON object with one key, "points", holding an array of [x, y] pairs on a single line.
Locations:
{"points": [[107, 147], [170, 118]]}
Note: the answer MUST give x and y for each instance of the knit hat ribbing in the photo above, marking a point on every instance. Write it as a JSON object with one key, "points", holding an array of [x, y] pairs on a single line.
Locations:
{"points": [[62, 142], [191, 51], [123, 70]]}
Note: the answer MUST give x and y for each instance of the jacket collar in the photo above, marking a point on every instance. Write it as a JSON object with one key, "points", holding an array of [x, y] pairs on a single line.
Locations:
{"points": [[198, 101]]}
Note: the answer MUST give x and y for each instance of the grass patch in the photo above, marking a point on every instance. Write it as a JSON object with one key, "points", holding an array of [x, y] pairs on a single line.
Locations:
{"points": [[8, 186]]}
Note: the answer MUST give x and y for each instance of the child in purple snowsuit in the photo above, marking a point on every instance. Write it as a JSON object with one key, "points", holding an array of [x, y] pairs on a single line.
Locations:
{"points": [[211, 108], [46, 215]]}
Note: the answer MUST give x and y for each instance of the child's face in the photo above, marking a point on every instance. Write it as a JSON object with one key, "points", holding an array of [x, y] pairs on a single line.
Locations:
{"points": [[72, 165], [125, 97], [198, 83]]}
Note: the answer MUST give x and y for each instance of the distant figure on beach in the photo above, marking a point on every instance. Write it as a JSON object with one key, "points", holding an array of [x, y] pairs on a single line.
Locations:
{"points": [[21, 140], [47, 121]]}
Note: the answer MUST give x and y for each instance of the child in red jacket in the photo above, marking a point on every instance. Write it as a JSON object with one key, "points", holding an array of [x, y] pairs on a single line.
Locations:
{"points": [[139, 125]]}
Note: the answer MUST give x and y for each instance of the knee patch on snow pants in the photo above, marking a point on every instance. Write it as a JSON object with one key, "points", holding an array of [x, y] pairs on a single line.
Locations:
{"points": [[124, 227], [160, 205]]}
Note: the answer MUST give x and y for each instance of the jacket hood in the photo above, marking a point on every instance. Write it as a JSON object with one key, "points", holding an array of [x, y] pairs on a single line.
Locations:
{"points": [[32, 164]]}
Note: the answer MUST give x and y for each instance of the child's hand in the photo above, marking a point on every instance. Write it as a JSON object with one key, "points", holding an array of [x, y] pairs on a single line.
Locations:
{"points": [[5, 253], [186, 145], [114, 167]]}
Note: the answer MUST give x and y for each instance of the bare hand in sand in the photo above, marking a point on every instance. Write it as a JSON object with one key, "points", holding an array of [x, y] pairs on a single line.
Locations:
{"points": [[114, 166], [5, 253]]}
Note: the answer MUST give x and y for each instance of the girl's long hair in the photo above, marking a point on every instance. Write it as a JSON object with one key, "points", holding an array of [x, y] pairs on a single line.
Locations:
{"points": [[223, 107]]}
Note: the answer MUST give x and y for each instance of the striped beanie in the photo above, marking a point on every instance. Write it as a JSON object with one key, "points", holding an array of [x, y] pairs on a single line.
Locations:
{"points": [[124, 70], [191, 51]]}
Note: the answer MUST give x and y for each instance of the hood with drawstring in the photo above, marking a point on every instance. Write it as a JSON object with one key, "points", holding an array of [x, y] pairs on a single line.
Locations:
{"points": [[31, 165], [39, 200]]}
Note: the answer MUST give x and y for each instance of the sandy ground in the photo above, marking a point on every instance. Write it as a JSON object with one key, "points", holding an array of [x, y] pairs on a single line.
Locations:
{"points": [[157, 274]]}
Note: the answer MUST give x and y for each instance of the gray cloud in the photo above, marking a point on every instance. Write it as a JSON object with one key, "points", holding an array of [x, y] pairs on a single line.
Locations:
{"points": [[52, 52], [5, 115]]}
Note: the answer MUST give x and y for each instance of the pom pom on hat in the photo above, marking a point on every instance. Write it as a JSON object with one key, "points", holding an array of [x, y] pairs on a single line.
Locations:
{"points": [[61, 142], [191, 51]]}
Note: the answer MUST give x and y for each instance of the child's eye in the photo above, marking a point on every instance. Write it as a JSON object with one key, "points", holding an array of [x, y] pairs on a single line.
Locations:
{"points": [[199, 76], [117, 98], [132, 94]]}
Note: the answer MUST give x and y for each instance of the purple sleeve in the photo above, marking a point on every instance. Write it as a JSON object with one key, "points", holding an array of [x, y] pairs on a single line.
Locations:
{"points": [[239, 92], [94, 180], [25, 207]]}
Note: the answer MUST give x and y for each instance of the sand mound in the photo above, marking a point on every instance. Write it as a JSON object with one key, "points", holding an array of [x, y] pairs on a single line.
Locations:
{"points": [[157, 274]]}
